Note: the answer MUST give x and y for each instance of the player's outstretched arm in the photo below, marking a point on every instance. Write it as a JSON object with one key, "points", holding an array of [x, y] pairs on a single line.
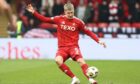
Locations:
{"points": [[91, 34], [42, 18], [94, 36], [102, 43]]}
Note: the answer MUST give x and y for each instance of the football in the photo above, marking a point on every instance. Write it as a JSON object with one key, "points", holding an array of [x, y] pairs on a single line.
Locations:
{"points": [[92, 72]]}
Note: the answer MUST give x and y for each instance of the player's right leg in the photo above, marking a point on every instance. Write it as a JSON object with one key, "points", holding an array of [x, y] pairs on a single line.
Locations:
{"points": [[60, 59], [66, 69]]}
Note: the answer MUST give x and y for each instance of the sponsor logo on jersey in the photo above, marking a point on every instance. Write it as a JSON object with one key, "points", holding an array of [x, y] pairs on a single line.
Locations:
{"points": [[67, 27]]}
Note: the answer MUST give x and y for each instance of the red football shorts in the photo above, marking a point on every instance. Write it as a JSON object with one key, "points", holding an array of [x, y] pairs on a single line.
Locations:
{"points": [[69, 52]]}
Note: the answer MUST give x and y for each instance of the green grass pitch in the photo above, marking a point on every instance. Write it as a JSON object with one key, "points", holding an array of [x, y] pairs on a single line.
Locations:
{"points": [[47, 72]]}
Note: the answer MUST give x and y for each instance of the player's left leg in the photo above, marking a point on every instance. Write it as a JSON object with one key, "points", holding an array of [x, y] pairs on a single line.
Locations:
{"points": [[84, 67], [77, 56]]}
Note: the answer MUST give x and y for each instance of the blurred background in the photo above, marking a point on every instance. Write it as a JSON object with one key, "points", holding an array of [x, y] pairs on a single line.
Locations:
{"points": [[117, 22], [107, 18], [22, 36]]}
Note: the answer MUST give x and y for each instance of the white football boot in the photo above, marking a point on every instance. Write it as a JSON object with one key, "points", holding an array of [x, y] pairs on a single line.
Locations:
{"points": [[75, 80], [92, 81]]}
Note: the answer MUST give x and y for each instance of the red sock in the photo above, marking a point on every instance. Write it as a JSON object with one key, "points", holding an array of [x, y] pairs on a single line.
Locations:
{"points": [[66, 70], [84, 68]]}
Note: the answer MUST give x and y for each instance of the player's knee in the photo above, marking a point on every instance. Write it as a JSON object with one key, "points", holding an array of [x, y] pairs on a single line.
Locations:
{"points": [[59, 60], [81, 61]]}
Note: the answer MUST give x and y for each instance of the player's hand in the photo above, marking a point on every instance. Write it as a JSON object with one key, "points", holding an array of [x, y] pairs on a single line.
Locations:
{"points": [[102, 44], [30, 8]]}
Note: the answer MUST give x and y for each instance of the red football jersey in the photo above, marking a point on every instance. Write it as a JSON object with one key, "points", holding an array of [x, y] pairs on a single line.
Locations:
{"points": [[68, 29]]}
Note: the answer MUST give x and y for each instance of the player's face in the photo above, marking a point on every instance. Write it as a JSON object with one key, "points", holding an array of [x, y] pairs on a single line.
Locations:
{"points": [[69, 14]]}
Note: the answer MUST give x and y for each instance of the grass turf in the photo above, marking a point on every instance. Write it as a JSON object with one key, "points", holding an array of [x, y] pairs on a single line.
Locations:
{"points": [[47, 72]]}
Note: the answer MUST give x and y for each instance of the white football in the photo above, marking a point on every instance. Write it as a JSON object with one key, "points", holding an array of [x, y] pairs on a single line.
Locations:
{"points": [[92, 72]]}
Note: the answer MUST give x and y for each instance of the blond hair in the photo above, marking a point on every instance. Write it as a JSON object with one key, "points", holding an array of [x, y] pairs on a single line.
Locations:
{"points": [[69, 6]]}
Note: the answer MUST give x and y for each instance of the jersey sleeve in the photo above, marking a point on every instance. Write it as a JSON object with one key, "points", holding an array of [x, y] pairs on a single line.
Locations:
{"points": [[46, 19], [88, 32]]}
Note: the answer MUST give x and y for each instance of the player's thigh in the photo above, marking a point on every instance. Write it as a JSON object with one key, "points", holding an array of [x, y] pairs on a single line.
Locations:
{"points": [[75, 53], [59, 59], [61, 56], [81, 61]]}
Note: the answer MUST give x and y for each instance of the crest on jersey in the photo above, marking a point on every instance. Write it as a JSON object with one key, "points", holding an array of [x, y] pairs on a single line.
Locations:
{"points": [[63, 22], [73, 24]]}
